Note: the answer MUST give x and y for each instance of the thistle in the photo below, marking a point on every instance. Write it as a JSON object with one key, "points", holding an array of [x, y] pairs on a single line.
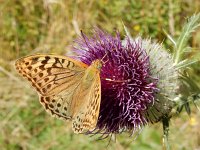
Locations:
{"points": [[138, 80]]}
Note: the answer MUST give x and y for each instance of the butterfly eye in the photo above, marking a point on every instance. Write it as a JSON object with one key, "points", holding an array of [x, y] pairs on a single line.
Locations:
{"points": [[99, 64]]}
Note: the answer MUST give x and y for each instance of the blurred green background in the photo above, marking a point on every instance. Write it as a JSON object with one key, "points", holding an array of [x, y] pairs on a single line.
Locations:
{"points": [[50, 26]]}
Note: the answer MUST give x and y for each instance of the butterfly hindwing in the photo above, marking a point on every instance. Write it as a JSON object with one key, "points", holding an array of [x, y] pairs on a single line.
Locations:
{"points": [[52, 105]]}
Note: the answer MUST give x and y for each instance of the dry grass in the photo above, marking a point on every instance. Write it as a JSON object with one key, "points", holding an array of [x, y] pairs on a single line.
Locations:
{"points": [[50, 26]]}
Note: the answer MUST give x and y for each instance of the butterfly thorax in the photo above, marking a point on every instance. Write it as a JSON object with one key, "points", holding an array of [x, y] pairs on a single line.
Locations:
{"points": [[93, 70]]}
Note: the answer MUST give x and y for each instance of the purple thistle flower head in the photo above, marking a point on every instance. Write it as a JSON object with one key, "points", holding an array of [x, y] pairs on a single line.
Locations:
{"points": [[130, 81]]}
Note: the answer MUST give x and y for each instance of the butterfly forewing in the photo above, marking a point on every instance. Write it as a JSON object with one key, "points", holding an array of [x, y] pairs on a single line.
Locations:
{"points": [[48, 73]]}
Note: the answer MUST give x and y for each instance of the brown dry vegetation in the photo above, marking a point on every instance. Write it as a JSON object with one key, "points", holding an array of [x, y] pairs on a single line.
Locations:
{"points": [[50, 26]]}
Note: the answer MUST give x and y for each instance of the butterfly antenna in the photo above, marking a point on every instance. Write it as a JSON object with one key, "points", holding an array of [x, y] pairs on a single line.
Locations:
{"points": [[84, 38], [106, 54]]}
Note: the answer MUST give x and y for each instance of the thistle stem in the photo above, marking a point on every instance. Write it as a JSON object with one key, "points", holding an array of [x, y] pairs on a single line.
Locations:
{"points": [[166, 145]]}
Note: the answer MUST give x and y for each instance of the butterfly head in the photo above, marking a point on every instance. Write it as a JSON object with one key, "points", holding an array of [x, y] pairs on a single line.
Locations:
{"points": [[97, 64]]}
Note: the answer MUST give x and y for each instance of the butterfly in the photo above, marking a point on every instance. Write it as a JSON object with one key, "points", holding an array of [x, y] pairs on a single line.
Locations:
{"points": [[68, 89]]}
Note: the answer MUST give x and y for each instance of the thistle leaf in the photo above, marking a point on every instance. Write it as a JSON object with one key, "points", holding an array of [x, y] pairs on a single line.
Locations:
{"points": [[192, 24], [185, 63]]}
